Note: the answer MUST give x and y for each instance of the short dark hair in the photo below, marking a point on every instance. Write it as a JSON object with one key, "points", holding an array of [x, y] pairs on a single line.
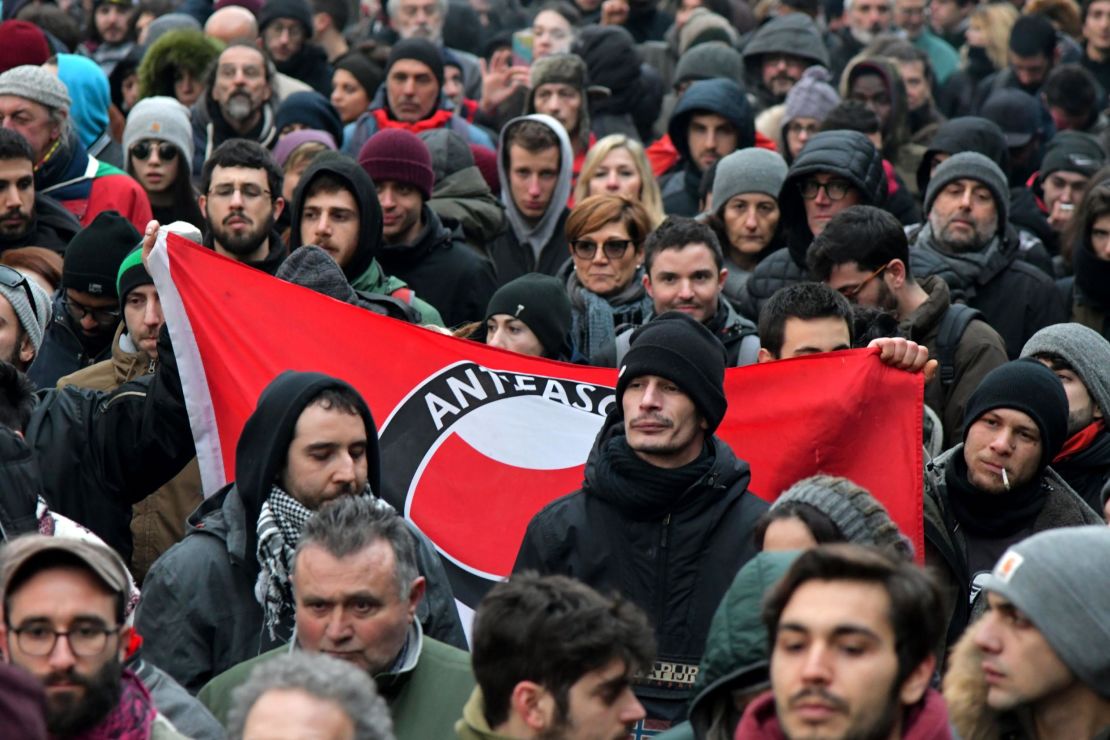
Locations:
{"points": [[866, 235], [916, 608], [14, 146], [823, 529], [346, 400], [799, 301], [17, 397], [243, 153], [1055, 361], [1033, 35], [852, 115], [569, 12], [339, 10], [551, 630], [532, 136], [325, 182], [677, 232], [1073, 89]]}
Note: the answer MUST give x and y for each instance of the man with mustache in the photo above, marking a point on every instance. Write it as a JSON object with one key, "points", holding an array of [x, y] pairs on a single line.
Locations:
{"points": [[996, 488], [852, 633], [224, 594], [27, 218], [967, 239], [111, 33], [64, 602], [779, 52], [664, 516], [241, 199], [237, 104]]}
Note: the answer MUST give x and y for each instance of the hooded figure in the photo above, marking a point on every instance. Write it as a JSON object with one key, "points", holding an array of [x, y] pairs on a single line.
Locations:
{"points": [[362, 269], [569, 69], [310, 109], [88, 88], [310, 63], [636, 89], [794, 34], [460, 192], [526, 246], [895, 131], [222, 595], [846, 154], [722, 97], [181, 51]]}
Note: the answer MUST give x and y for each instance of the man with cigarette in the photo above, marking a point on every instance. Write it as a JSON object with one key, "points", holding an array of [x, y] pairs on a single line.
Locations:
{"points": [[996, 488]]}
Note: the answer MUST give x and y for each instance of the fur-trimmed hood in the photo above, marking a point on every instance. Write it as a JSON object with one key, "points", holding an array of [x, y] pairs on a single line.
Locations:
{"points": [[186, 49], [965, 691]]}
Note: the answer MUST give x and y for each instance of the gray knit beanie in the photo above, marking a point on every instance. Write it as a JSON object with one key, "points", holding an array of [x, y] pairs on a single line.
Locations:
{"points": [[1087, 351], [752, 170], [856, 513], [163, 118], [811, 97], [33, 318], [1057, 578], [972, 166], [709, 61], [35, 84]]}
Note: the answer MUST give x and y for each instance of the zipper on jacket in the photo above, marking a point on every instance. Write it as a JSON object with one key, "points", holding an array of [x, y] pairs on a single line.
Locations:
{"points": [[661, 563]]}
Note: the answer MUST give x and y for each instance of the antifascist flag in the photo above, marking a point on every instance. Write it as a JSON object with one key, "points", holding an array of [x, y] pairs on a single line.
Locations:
{"points": [[475, 440]]}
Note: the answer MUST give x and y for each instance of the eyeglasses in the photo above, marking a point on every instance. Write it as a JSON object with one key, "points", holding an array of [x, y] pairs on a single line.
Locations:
{"points": [[167, 152], [797, 128], [102, 316], [614, 248], [86, 641], [835, 189], [10, 278], [851, 291], [248, 190]]}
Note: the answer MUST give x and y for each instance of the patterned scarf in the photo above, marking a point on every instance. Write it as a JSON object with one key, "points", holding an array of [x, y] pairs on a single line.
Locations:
{"points": [[279, 527], [132, 717], [594, 319]]}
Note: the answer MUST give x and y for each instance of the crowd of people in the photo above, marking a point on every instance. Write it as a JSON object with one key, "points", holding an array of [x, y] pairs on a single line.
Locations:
{"points": [[669, 189]]}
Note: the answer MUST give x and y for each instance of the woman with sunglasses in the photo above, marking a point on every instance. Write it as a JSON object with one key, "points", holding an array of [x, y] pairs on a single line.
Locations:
{"points": [[158, 152], [604, 278]]}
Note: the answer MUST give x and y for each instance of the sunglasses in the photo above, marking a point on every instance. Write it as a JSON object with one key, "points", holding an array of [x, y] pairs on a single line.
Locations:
{"points": [[614, 248], [13, 279], [166, 152], [103, 317]]}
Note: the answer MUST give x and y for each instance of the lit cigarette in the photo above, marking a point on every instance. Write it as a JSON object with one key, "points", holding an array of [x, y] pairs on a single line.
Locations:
{"points": [[1005, 479]]}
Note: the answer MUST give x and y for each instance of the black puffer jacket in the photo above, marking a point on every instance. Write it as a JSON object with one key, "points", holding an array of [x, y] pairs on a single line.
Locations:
{"points": [[676, 567], [720, 96], [847, 154], [19, 486], [1016, 299], [199, 615]]}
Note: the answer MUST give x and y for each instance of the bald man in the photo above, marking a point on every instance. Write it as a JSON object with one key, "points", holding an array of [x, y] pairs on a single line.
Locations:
{"points": [[236, 23]]}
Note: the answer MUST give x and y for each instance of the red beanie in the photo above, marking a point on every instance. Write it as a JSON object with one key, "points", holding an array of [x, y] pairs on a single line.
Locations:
{"points": [[401, 156], [486, 161], [22, 43]]}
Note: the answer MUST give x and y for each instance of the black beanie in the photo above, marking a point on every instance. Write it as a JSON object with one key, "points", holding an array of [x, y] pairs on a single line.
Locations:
{"points": [[94, 255], [678, 348], [421, 50], [1027, 386], [541, 302], [298, 10]]}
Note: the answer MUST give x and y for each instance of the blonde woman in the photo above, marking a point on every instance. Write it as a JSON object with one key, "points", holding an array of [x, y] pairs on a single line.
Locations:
{"points": [[616, 165], [988, 39]]}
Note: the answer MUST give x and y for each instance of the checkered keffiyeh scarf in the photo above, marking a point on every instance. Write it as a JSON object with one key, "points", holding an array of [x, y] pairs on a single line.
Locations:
{"points": [[279, 527]]}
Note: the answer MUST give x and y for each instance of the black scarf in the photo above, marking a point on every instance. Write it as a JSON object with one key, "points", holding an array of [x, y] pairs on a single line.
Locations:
{"points": [[991, 514], [642, 490], [1092, 275]]}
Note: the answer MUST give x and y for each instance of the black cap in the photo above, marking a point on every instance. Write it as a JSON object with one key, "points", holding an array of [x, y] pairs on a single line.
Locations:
{"points": [[93, 257], [1015, 112], [421, 50], [1073, 151]]}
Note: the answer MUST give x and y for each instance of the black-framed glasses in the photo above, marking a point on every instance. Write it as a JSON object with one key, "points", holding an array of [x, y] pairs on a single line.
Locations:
{"points": [[835, 189], [851, 291], [85, 641], [102, 316], [167, 152], [10, 278], [614, 249], [249, 191]]}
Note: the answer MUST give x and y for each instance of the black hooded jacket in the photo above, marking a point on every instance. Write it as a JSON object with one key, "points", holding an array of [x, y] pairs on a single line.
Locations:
{"points": [[348, 171], [443, 270], [795, 34], [676, 567], [720, 96], [310, 66], [1088, 470], [52, 226], [847, 154], [199, 615]]}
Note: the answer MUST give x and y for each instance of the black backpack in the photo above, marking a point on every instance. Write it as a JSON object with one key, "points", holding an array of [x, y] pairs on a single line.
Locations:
{"points": [[952, 327]]}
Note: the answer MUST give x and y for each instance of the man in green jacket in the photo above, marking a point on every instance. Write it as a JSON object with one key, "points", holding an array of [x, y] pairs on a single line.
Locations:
{"points": [[356, 586]]}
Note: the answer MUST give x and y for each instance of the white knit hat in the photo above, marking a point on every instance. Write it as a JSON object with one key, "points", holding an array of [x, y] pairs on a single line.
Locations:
{"points": [[163, 118], [35, 84], [33, 318]]}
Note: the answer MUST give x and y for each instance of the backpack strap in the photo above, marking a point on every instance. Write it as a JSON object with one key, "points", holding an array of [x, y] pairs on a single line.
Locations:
{"points": [[952, 327]]}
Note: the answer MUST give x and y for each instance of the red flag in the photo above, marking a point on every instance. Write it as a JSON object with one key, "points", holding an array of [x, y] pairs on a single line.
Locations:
{"points": [[475, 440]]}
